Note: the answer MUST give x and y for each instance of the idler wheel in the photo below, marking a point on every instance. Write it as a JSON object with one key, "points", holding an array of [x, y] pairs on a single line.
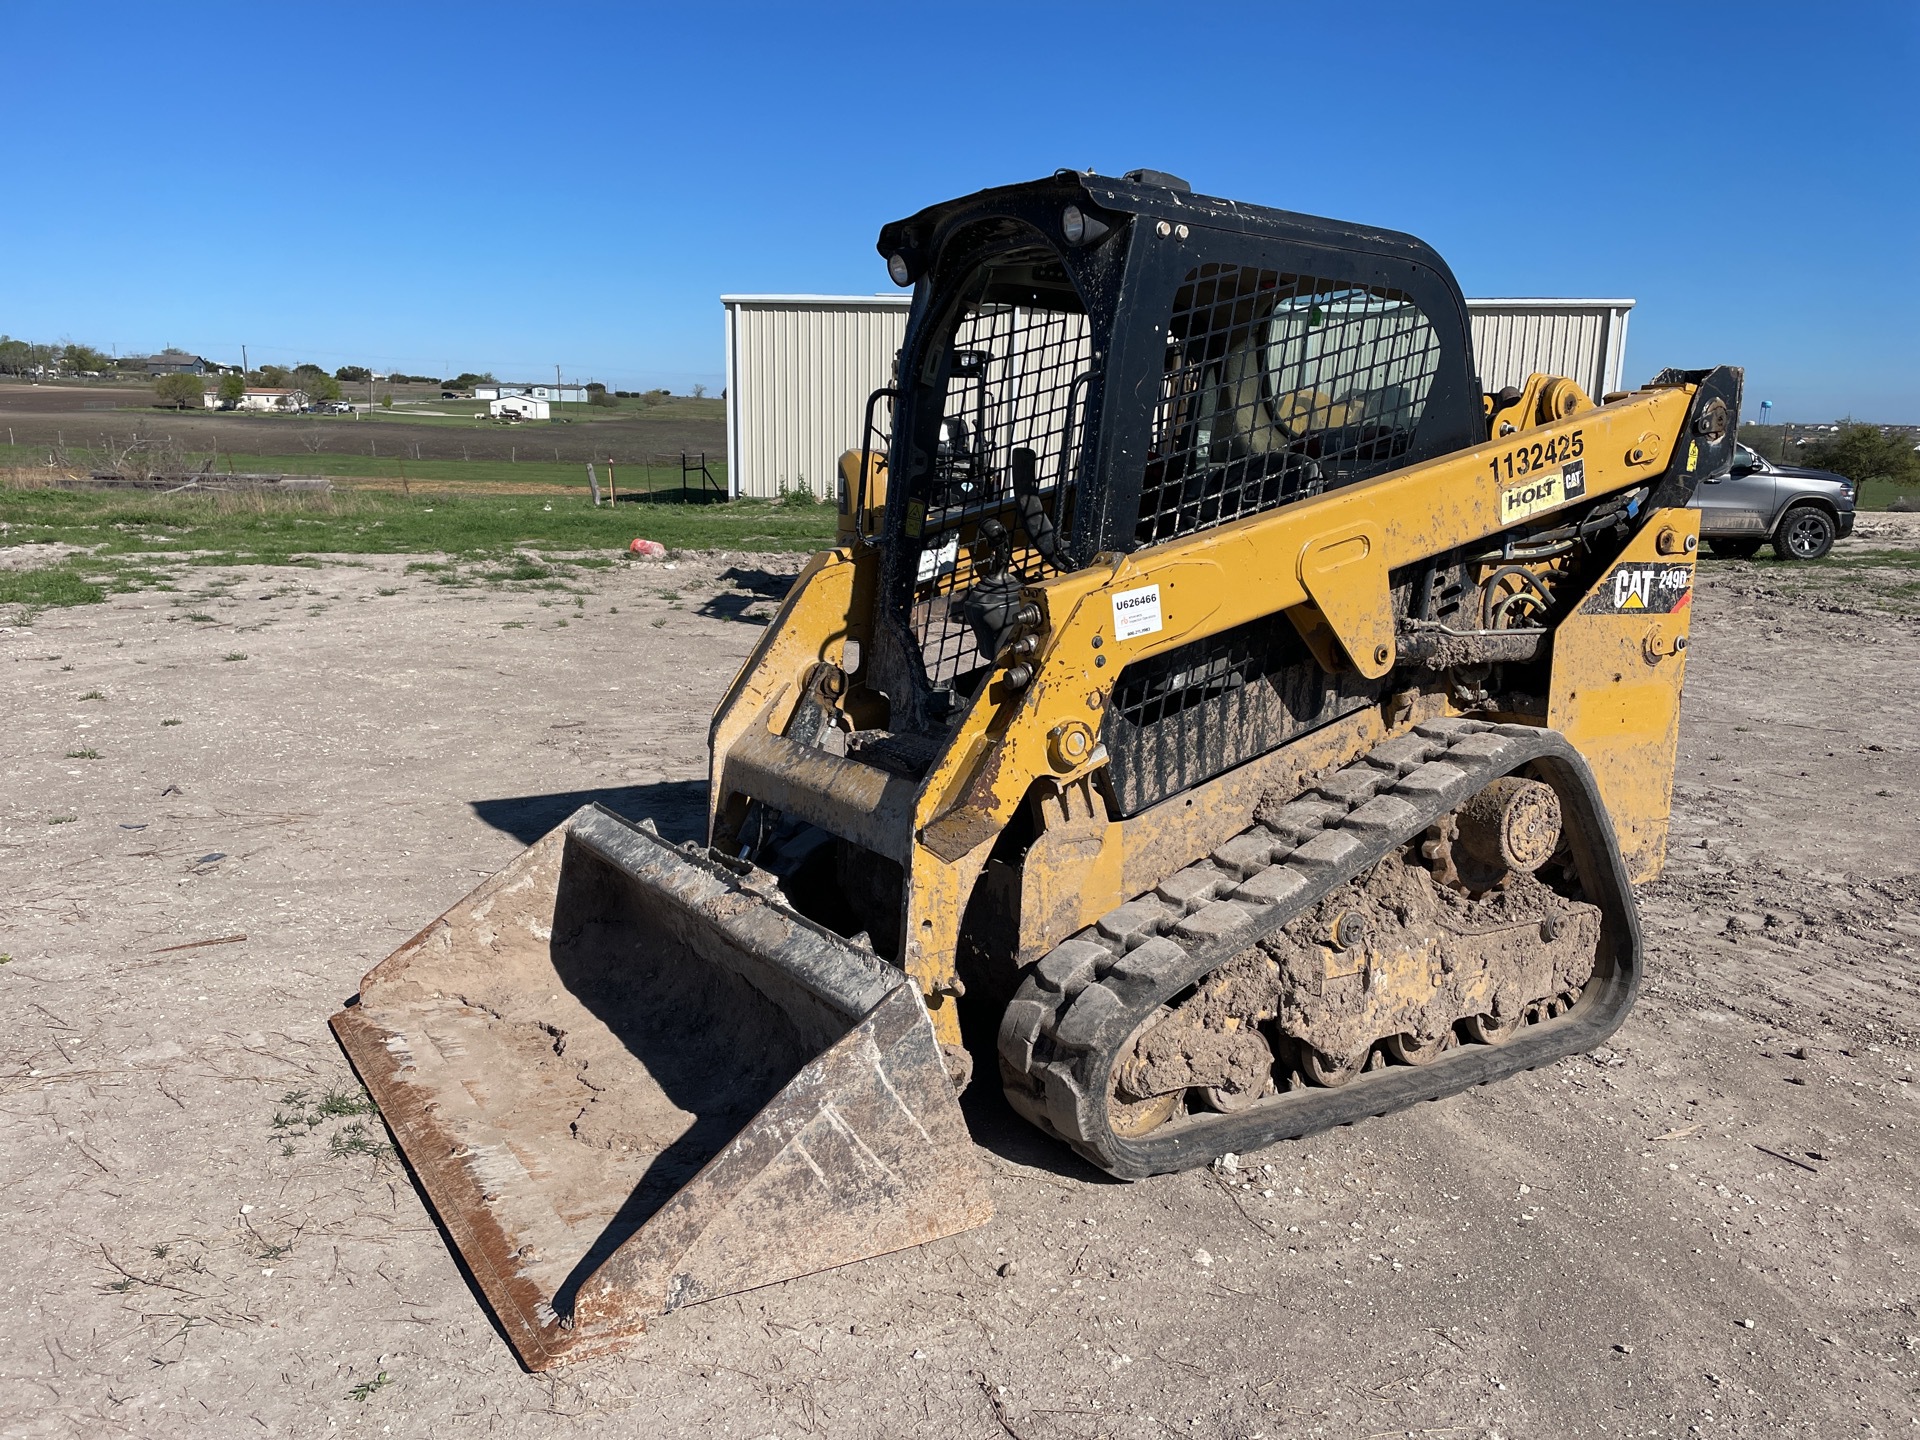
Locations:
{"points": [[1512, 825]]}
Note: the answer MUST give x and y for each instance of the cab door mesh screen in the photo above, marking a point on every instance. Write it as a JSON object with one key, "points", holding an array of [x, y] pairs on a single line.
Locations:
{"points": [[1277, 387], [1013, 412]]}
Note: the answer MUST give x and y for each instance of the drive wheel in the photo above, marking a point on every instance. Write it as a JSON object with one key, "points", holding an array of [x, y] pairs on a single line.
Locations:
{"points": [[1735, 549], [1807, 533]]}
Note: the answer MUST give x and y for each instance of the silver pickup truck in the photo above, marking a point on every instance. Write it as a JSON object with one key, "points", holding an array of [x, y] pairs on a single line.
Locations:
{"points": [[1801, 511]]}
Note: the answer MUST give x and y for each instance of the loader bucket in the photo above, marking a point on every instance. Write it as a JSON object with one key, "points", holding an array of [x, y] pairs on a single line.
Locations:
{"points": [[627, 1084]]}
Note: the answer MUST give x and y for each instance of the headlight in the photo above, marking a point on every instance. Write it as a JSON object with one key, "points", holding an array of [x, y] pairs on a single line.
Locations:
{"points": [[1080, 228], [898, 268]]}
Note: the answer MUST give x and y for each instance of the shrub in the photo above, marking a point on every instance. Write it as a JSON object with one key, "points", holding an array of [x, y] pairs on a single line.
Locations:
{"points": [[180, 391]]}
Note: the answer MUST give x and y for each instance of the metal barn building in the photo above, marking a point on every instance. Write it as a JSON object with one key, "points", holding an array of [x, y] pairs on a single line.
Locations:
{"points": [[800, 369]]}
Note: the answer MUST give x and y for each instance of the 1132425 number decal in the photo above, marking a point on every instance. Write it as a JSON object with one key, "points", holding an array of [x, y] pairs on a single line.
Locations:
{"points": [[1525, 459]]}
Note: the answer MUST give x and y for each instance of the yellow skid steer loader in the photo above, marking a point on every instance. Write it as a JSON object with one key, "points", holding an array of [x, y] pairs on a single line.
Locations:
{"points": [[1220, 716]]}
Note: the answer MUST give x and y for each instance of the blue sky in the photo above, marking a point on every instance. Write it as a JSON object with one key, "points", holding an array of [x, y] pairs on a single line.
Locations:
{"points": [[511, 187]]}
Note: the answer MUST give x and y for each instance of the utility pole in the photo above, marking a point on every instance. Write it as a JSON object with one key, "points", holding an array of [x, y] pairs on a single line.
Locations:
{"points": [[245, 369], [556, 387]]}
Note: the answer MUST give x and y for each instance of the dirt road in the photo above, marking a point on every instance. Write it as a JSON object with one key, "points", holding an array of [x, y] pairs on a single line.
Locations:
{"points": [[1709, 1228]]}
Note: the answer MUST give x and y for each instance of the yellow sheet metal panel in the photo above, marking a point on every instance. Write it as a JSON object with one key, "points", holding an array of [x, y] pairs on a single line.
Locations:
{"points": [[1619, 662]]}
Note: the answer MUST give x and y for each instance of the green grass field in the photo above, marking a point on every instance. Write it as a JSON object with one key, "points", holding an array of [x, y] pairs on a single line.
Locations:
{"points": [[128, 533], [1879, 494]]}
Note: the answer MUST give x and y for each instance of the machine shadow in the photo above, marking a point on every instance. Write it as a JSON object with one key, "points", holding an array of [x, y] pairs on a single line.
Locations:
{"points": [[750, 588], [677, 808], [997, 1129]]}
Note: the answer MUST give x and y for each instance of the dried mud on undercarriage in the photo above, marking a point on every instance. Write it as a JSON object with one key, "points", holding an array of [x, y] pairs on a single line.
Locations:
{"points": [[210, 1235]]}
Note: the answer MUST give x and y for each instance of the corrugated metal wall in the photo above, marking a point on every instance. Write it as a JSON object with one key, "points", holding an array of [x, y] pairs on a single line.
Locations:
{"points": [[1584, 340], [800, 368], [799, 371]]}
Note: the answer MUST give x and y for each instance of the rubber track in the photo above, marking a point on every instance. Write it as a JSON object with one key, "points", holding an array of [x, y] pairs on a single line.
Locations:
{"points": [[1077, 1008]]}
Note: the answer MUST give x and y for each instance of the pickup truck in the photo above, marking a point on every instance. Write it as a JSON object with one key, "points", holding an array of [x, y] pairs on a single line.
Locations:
{"points": [[1755, 501]]}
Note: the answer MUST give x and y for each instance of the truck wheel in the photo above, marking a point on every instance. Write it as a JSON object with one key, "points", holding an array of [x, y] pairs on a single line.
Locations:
{"points": [[1734, 549], [1806, 533]]}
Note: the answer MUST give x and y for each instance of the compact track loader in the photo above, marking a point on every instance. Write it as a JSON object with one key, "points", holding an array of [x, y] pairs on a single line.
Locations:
{"points": [[1220, 718]]}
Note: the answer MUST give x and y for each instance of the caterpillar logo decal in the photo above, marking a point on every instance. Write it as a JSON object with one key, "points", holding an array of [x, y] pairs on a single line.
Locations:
{"points": [[1642, 589], [1542, 491]]}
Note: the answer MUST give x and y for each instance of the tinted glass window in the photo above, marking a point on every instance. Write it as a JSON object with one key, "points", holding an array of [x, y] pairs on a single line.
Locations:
{"points": [[1279, 386]]}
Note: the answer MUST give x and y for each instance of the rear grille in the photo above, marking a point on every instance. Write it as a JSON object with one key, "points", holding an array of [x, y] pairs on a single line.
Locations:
{"points": [[1196, 712]]}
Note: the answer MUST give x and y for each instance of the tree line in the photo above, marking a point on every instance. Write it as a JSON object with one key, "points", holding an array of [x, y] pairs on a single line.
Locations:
{"points": [[1861, 452], [27, 357]]}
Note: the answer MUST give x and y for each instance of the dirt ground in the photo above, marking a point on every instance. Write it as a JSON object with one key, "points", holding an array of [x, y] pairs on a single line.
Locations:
{"points": [[1709, 1228], [90, 418]]}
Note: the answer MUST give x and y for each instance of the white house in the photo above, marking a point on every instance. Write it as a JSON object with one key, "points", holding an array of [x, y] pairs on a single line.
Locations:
{"points": [[504, 390], [265, 398], [524, 407]]}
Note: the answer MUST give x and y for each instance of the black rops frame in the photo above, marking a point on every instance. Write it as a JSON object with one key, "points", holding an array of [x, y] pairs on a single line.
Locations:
{"points": [[943, 244], [1156, 233]]}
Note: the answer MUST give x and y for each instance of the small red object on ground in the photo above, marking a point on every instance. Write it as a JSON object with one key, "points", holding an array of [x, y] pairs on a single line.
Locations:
{"points": [[651, 549]]}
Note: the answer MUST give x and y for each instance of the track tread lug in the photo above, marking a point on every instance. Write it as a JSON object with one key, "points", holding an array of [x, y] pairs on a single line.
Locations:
{"points": [[1351, 786], [1023, 1023], [1484, 748], [1151, 970], [1194, 886], [1437, 779], [1382, 815], [1214, 923], [1276, 885], [1331, 849], [1137, 921], [1402, 753], [1301, 820], [1071, 966], [1245, 854], [1087, 1018]]}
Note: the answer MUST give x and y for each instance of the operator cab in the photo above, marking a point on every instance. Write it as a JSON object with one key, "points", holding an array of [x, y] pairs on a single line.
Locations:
{"points": [[1095, 365]]}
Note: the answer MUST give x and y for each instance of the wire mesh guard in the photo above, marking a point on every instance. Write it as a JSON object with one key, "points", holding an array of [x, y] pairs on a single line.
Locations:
{"points": [[1012, 423], [1277, 387]]}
